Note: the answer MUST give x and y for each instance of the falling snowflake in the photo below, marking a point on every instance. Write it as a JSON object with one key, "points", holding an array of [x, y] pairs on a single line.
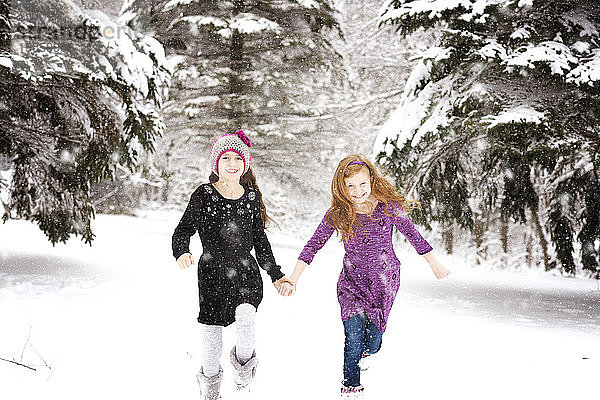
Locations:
{"points": [[231, 273]]}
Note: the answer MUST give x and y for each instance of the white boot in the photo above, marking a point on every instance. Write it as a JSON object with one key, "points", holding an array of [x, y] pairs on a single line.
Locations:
{"points": [[210, 386], [243, 374], [352, 392], [366, 361]]}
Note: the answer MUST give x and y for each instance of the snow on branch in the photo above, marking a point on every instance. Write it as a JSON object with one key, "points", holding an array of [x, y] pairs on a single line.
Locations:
{"points": [[417, 115], [521, 33], [250, 23], [177, 3], [96, 48], [587, 73], [580, 20], [422, 71], [244, 23], [517, 114], [199, 20], [138, 53], [558, 57], [434, 9], [6, 62], [308, 3], [492, 50]]}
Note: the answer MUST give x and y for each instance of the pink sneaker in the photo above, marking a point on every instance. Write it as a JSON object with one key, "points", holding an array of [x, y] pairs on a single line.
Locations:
{"points": [[352, 392]]}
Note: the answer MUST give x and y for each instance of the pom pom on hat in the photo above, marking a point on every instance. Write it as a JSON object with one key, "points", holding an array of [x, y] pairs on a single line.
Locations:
{"points": [[237, 142]]}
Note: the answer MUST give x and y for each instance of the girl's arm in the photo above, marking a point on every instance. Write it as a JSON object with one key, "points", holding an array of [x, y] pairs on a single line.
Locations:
{"points": [[314, 244], [405, 225], [298, 270], [438, 269], [262, 246], [180, 242]]}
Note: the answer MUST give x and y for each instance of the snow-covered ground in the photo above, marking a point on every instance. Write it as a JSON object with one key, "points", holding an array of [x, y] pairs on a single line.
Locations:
{"points": [[117, 320]]}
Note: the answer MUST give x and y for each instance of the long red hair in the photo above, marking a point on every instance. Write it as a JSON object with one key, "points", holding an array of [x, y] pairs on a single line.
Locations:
{"points": [[342, 214]]}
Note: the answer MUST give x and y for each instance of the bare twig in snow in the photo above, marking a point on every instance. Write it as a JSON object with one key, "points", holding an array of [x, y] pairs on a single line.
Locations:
{"points": [[40, 357], [26, 343], [18, 363]]}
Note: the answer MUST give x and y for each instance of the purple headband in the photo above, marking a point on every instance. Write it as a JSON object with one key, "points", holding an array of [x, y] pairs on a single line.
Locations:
{"points": [[357, 163]]}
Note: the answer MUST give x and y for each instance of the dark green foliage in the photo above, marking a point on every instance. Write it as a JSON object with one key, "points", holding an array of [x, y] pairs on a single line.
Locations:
{"points": [[496, 60], [228, 76], [450, 203], [590, 230], [64, 128], [577, 191], [515, 149]]}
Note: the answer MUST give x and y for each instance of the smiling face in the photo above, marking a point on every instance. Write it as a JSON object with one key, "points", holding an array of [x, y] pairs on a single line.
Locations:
{"points": [[359, 186], [231, 166]]}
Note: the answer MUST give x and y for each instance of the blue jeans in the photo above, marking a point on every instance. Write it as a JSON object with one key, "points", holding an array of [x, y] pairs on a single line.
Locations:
{"points": [[361, 336]]}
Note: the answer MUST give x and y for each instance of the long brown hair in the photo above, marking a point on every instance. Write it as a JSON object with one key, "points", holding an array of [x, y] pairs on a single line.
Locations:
{"points": [[342, 214], [249, 179]]}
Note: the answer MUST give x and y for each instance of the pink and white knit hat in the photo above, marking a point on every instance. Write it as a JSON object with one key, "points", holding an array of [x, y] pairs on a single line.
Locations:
{"points": [[237, 142]]}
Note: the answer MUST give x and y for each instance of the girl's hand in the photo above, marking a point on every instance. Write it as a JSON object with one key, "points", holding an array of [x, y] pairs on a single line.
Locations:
{"points": [[440, 271], [285, 287], [185, 260]]}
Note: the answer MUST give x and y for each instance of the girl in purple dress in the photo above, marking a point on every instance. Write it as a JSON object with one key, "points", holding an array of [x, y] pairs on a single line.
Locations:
{"points": [[365, 208]]}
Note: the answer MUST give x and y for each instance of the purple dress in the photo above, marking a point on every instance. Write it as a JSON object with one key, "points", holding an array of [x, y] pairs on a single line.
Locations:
{"points": [[370, 276]]}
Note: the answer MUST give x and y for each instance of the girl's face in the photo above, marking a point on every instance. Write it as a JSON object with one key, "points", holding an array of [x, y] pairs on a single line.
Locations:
{"points": [[231, 166], [359, 186]]}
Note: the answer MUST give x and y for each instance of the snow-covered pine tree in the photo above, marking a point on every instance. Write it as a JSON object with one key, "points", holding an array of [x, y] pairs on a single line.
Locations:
{"points": [[500, 119], [78, 95], [237, 64]]}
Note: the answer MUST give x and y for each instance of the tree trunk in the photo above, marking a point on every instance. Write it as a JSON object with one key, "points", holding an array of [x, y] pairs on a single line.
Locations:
{"points": [[478, 230], [448, 235], [504, 235], [4, 26], [529, 250], [238, 67], [544, 245]]}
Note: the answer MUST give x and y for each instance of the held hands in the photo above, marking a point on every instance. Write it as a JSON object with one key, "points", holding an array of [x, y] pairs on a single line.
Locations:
{"points": [[285, 286], [185, 260]]}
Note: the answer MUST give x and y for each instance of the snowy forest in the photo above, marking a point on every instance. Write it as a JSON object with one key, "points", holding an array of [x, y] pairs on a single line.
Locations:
{"points": [[486, 112]]}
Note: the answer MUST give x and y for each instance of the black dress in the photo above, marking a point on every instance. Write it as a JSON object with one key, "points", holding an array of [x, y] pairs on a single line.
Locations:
{"points": [[228, 275]]}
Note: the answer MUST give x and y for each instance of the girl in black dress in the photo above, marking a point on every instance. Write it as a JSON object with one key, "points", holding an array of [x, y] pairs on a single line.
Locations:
{"points": [[229, 215]]}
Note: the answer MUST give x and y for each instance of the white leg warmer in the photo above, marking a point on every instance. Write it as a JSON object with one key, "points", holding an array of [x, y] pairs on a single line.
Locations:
{"points": [[213, 346], [245, 326]]}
